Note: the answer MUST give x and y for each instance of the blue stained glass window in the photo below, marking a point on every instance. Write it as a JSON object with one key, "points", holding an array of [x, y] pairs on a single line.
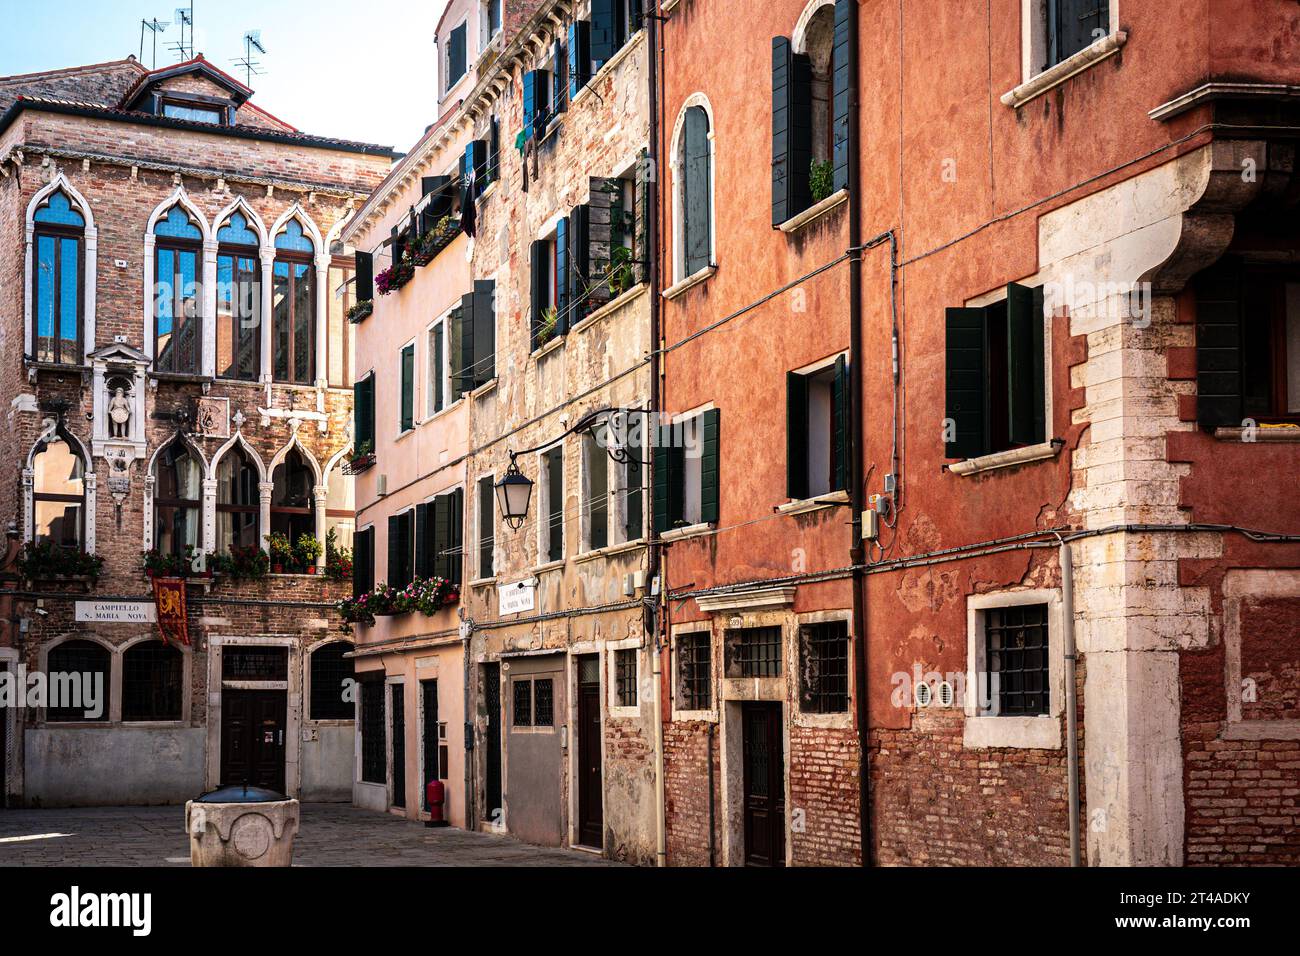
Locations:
{"points": [[293, 239], [236, 231], [177, 225], [59, 212]]}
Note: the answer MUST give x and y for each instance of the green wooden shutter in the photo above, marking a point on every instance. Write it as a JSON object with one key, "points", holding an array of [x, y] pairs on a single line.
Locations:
{"points": [[697, 173], [539, 280], [363, 562], [579, 266], [1025, 398], [966, 383], [422, 545], [709, 466], [559, 77], [408, 388], [840, 89], [363, 413], [441, 516], [486, 526], [579, 56], [633, 506], [458, 351], [439, 187], [661, 492], [475, 160], [365, 271], [1219, 387], [841, 425], [530, 103], [467, 378], [485, 331], [602, 235], [562, 277], [791, 131], [399, 546], [456, 526], [602, 32], [796, 435]]}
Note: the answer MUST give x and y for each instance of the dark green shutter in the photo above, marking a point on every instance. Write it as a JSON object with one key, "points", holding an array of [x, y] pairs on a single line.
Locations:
{"points": [[456, 522], [602, 234], [494, 150], [1025, 398], [476, 159], [796, 435], [439, 337], [486, 527], [709, 466], [791, 131], [579, 56], [559, 77], [555, 504], [365, 284], [966, 401], [579, 267], [464, 320], [485, 331], [840, 83], [661, 494], [633, 502], [538, 282], [696, 171], [441, 203], [1219, 365], [841, 423], [399, 550], [363, 412], [363, 562], [603, 21], [408, 388], [530, 103], [441, 515], [423, 548], [562, 277]]}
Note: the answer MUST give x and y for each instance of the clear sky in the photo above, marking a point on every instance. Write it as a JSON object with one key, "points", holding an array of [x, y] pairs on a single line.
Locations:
{"points": [[355, 69]]}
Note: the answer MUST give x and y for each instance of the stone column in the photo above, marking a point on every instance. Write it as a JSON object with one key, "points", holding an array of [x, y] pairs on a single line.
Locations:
{"points": [[322, 319], [209, 515], [265, 488], [321, 494]]}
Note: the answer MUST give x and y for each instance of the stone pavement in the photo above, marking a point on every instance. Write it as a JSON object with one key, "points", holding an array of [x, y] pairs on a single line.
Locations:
{"points": [[329, 835]]}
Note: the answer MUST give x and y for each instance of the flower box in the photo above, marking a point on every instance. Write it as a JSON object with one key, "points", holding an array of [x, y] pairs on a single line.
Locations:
{"points": [[360, 311]]}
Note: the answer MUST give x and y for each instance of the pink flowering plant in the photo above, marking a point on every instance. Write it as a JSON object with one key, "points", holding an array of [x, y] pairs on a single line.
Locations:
{"points": [[426, 595]]}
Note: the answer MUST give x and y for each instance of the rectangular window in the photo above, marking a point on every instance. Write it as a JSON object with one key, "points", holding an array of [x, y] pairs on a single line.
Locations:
{"points": [[551, 504], [694, 671], [435, 393], [374, 760], [817, 431], [595, 492], [177, 325], [754, 652], [194, 114], [1015, 657], [493, 17], [523, 703], [628, 496], [486, 526], [824, 668], [406, 410], [546, 322], [995, 384], [474, 329], [543, 702], [293, 321], [254, 662], [238, 304], [338, 341], [1073, 25], [56, 294], [439, 548], [686, 480], [625, 676]]}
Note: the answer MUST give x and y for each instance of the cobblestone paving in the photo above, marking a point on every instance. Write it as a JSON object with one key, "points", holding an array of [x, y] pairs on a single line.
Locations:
{"points": [[329, 835]]}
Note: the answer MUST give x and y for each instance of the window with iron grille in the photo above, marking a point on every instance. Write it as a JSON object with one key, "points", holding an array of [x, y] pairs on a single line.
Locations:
{"points": [[625, 677], [81, 659], [1015, 649], [824, 660], [374, 761], [543, 703], [151, 682], [694, 671], [254, 662], [523, 691], [329, 670], [754, 652]]}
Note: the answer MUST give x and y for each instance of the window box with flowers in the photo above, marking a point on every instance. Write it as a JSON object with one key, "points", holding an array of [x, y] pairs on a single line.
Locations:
{"points": [[247, 563], [48, 561], [164, 564], [395, 276], [426, 595], [360, 459], [361, 310]]}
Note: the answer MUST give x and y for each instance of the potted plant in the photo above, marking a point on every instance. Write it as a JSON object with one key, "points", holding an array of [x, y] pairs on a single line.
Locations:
{"points": [[620, 271], [277, 543], [360, 310], [163, 564], [48, 560], [307, 550], [546, 326], [820, 179], [423, 249], [338, 561], [249, 563]]}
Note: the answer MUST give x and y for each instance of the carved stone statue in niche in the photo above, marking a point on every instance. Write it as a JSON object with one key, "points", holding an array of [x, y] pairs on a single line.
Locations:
{"points": [[119, 414]]}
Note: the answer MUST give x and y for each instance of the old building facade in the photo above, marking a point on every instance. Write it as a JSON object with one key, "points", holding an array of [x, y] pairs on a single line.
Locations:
{"points": [[179, 368]]}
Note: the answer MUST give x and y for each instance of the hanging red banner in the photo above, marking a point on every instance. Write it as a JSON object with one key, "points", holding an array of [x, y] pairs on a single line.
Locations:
{"points": [[169, 598]]}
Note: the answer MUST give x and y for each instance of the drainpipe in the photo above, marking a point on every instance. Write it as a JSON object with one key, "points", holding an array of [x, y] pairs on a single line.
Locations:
{"points": [[856, 468], [656, 608], [1071, 704]]}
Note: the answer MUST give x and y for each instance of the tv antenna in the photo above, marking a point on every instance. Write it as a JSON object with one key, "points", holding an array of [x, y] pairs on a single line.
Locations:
{"points": [[154, 26], [184, 18], [249, 64]]}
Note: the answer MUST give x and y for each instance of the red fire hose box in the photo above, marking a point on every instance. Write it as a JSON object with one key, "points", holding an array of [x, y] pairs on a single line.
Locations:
{"points": [[435, 795]]}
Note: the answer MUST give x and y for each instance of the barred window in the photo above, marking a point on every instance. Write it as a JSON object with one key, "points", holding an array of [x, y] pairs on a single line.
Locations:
{"points": [[694, 671], [625, 677], [374, 762], [84, 660], [543, 704], [329, 672], [1015, 647], [151, 682], [523, 703], [534, 704], [754, 652], [824, 660]]}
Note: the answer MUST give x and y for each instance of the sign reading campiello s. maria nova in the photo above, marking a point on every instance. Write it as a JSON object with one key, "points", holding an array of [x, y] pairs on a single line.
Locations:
{"points": [[117, 612]]}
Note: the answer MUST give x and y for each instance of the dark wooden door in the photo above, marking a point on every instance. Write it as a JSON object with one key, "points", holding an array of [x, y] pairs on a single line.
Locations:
{"points": [[764, 763], [492, 759], [399, 746], [591, 822], [252, 738], [429, 738]]}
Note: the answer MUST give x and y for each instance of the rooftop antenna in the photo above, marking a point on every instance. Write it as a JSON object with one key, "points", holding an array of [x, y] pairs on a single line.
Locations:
{"points": [[185, 18], [250, 65], [154, 26]]}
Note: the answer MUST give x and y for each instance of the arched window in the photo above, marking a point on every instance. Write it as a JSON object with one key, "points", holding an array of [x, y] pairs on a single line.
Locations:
{"points": [[294, 303], [238, 301], [293, 506], [694, 185], [177, 499], [177, 310], [58, 258], [151, 682], [59, 494], [238, 502], [329, 672], [80, 669], [340, 507]]}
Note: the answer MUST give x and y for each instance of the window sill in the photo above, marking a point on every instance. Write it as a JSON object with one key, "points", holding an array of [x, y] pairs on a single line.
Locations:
{"points": [[185, 378], [482, 582], [484, 389], [548, 566], [804, 505], [1261, 433], [677, 288], [1071, 66], [609, 551], [610, 307], [688, 531], [1029, 733], [608, 66], [544, 350], [56, 367], [403, 434], [815, 211], [1008, 459], [668, 5]]}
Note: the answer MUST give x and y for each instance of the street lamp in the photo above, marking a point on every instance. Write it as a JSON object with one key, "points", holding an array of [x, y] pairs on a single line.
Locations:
{"points": [[513, 492]]}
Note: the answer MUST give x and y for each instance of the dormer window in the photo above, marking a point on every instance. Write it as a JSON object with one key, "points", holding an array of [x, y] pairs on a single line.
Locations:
{"points": [[193, 112]]}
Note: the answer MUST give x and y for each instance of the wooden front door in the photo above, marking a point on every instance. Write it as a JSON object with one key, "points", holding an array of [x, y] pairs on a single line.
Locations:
{"points": [[399, 745], [591, 821], [253, 738], [492, 760], [764, 763], [429, 739]]}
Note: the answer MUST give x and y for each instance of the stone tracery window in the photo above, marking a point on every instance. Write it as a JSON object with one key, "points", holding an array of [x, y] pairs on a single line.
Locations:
{"points": [[293, 301], [59, 494], [58, 293], [178, 310], [178, 499]]}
